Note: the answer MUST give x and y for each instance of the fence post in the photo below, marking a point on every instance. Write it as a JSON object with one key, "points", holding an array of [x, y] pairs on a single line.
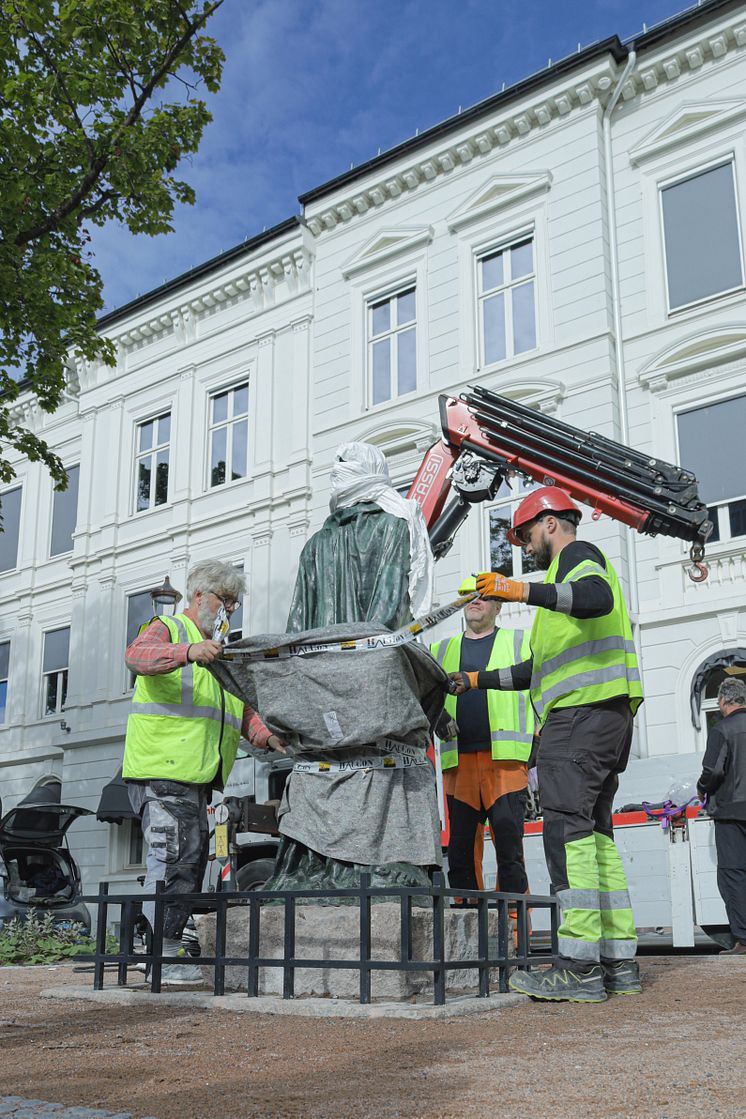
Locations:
{"points": [[126, 931], [483, 947], [221, 916], [103, 913], [439, 971], [554, 924], [522, 923], [254, 914], [503, 927], [288, 971], [364, 938], [157, 942]]}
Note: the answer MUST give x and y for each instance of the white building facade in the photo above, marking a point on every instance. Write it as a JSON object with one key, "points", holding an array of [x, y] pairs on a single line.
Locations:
{"points": [[575, 243]]}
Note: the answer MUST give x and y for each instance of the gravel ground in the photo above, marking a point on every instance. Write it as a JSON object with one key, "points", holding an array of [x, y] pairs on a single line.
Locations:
{"points": [[677, 1049]]}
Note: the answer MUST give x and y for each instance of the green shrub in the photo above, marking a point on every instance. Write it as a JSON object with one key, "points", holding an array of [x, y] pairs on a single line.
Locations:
{"points": [[36, 940]]}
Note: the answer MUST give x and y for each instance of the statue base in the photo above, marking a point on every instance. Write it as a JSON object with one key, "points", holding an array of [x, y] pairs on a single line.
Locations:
{"points": [[333, 933]]}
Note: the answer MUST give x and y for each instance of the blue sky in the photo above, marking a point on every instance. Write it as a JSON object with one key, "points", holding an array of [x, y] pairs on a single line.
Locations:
{"points": [[312, 86]]}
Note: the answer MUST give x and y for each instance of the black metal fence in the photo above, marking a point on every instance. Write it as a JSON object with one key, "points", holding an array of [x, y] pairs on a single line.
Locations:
{"points": [[437, 896]]}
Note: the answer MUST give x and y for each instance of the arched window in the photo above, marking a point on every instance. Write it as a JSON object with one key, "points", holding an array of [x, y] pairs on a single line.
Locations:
{"points": [[704, 690]]}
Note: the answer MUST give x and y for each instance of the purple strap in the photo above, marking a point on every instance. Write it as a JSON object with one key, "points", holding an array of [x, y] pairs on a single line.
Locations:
{"points": [[668, 811]]}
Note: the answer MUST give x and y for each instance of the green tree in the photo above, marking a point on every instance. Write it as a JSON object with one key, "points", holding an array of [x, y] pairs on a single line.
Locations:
{"points": [[98, 105]]}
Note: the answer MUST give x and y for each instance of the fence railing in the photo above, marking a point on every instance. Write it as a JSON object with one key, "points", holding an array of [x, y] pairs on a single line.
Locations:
{"points": [[437, 896]]}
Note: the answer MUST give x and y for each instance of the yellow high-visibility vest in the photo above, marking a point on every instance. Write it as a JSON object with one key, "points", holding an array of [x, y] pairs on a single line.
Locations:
{"points": [[510, 716], [183, 726]]}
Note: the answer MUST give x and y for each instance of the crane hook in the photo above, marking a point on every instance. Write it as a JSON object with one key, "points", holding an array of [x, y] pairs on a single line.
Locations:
{"points": [[699, 570]]}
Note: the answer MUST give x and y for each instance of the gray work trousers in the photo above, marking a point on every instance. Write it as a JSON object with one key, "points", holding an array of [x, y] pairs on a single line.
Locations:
{"points": [[174, 824]]}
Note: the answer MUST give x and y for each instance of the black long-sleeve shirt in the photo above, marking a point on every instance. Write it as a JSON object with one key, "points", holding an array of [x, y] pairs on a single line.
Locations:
{"points": [[589, 597]]}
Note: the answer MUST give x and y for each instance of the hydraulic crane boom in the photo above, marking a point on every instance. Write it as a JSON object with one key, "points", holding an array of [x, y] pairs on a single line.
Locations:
{"points": [[487, 437]]}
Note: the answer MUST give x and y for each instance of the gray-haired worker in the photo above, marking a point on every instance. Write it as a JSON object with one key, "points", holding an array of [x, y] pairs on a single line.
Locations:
{"points": [[723, 779], [182, 738]]}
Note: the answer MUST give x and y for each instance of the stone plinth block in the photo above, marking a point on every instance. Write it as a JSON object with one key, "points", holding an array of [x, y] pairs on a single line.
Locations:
{"points": [[333, 933]]}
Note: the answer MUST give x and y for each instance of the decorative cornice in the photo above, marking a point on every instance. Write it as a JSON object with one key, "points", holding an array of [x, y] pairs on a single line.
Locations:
{"points": [[507, 127], [255, 283], [687, 58], [487, 136], [698, 354]]}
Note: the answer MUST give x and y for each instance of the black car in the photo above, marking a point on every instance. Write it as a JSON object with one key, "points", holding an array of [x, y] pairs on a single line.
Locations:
{"points": [[37, 870]]}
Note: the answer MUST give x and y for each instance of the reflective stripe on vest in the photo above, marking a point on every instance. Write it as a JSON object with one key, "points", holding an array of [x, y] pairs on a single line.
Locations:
{"points": [[511, 718], [182, 726], [577, 661]]}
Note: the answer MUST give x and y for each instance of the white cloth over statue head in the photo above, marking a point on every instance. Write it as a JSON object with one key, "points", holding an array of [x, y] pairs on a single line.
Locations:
{"points": [[361, 474]]}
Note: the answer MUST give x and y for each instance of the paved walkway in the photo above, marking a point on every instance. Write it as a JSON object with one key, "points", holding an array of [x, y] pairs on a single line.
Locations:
{"points": [[16, 1107]]}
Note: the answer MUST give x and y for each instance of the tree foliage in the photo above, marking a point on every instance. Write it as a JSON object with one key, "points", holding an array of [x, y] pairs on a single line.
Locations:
{"points": [[98, 105]]}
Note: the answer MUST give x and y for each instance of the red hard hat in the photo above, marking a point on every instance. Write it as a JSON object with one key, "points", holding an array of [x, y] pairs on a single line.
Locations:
{"points": [[548, 499]]}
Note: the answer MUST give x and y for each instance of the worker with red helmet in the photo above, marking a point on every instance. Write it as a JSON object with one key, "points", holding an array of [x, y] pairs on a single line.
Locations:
{"points": [[585, 686]]}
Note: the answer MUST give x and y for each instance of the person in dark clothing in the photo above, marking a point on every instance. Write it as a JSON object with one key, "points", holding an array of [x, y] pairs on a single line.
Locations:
{"points": [[723, 782], [585, 687]]}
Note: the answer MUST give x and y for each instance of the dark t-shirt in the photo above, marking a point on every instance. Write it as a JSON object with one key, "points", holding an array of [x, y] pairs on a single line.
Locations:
{"points": [[472, 716]]}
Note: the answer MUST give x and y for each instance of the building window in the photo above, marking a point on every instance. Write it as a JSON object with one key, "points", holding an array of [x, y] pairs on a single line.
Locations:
{"points": [[506, 284], [65, 514], [510, 561], [140, 611], [10, 511], [702, 236], [54, 667], [712, 447], [134, 844], [4, 672], [229, 434], [151, 465], [392, 346]]}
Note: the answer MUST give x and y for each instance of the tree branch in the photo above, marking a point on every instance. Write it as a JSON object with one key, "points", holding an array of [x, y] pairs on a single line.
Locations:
{"points": [[95, 169]]}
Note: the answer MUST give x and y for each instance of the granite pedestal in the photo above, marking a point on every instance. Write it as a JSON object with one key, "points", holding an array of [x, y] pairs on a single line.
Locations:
{"points": [[333, 932]]}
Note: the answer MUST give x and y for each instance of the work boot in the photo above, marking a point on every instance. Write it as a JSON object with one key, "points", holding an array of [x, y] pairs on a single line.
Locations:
{"points": [[622, 977], [174, 974], [738, 949], [561, 984]]}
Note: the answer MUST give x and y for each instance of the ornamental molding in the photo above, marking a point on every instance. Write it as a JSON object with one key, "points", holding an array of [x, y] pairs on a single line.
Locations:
{"points": [[508, 126], [710, 46], [387, 243], [697, 358], [255, 285], [496, 194], [691, 120], [545, 395]]}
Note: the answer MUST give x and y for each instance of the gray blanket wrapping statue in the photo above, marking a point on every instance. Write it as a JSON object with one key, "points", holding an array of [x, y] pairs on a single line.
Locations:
{"points": [[362, 794], [338, 708]]}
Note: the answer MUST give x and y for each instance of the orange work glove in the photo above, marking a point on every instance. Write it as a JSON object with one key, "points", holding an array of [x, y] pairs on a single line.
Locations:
{"points": [[491, 584]]}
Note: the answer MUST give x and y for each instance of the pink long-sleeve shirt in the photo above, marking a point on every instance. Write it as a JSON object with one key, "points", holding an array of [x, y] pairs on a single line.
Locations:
{"points": [[153, 653]]}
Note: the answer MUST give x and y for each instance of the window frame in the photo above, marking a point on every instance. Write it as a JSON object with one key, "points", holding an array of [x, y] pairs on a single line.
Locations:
{"points": [[55, 495], [509, 503], [694, 405], [229, 423], [387, 294], [724, 160], [5, 680], [479, 252], [62, 675], [154, 417], [3, 496]]}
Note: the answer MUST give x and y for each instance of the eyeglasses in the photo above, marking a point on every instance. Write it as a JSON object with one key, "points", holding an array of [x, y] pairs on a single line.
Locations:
{"points": [[230, 604]]}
